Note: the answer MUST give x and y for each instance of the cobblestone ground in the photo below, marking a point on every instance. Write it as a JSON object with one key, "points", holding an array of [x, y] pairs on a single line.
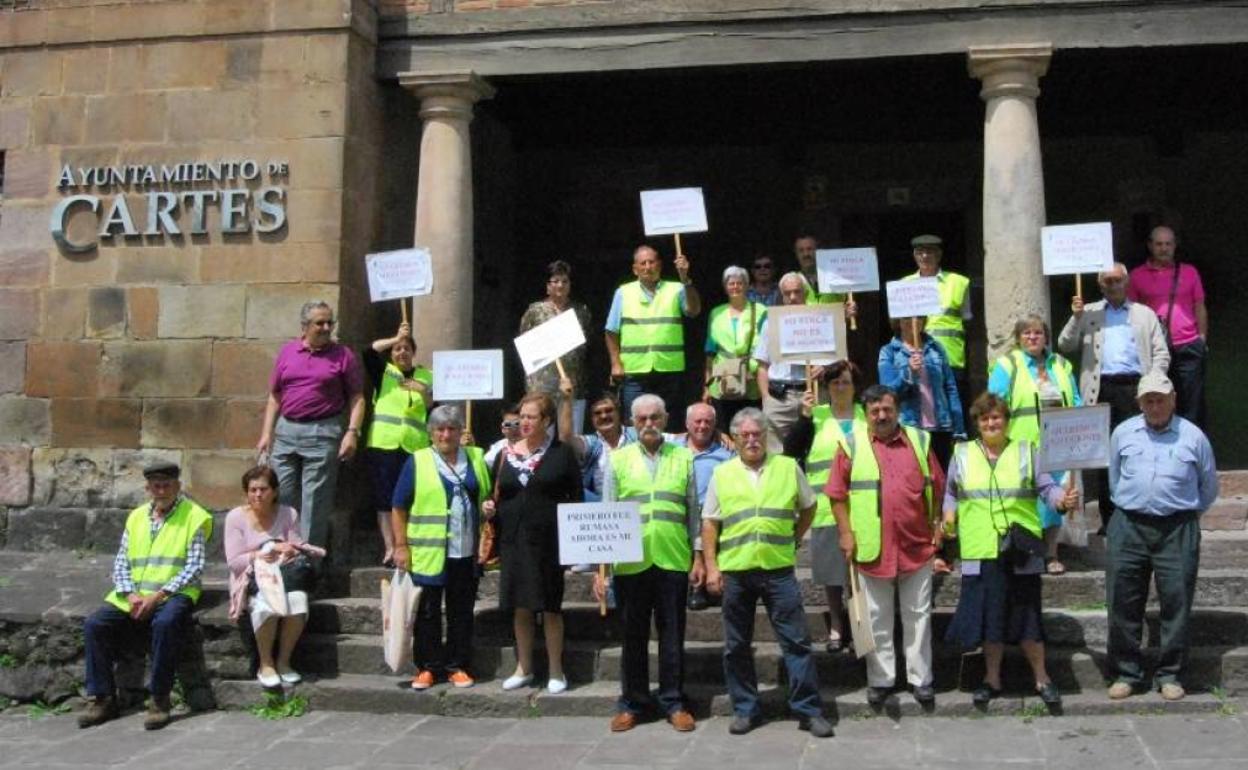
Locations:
{"points": [[347, 740]]}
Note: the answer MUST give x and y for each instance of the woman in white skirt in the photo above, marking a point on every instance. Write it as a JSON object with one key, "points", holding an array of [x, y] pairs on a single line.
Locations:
{"points": [[262, 530]]}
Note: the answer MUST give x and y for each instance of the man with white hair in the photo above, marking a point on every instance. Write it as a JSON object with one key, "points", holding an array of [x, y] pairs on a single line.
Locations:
{"points": [[659, 475], [782, 384], [702, 439], [1119, 341]]}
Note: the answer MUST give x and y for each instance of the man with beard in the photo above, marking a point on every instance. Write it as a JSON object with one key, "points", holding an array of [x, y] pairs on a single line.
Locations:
{"points": [[659, 475]]}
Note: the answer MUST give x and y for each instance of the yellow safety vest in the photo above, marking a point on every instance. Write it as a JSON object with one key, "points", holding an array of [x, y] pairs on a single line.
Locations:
{"points": [[664, 514], [829, 437], [864, 489], [652, 335], [153, 563], [735, 343], [758, 523], [813, 297], [947, 326], [399, 414], [1024, 396], [427, 529], [990, 498]]}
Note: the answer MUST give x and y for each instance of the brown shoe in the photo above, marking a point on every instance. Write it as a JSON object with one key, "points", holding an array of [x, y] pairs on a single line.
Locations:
{"points": [[682, 721], [623, 722], [158, 715], [99, 710]]}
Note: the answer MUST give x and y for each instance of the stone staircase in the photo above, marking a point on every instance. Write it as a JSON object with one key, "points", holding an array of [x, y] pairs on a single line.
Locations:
{"points": [[45, 592]]}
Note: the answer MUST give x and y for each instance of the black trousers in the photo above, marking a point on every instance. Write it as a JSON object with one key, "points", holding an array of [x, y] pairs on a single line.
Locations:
{"points": [[659, 594], [1119, 393], [459, 594], [1187, 372]]}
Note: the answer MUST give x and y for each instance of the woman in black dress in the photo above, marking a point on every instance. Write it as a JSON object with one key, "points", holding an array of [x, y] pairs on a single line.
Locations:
{"points": [[535, 474]]}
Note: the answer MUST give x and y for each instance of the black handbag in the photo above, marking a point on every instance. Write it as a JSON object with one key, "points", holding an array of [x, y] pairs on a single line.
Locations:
{"points": [[299, 574], [1023, 550]]}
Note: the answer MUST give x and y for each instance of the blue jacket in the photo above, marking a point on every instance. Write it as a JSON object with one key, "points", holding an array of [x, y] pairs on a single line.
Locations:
{"points": [[894, 366]]}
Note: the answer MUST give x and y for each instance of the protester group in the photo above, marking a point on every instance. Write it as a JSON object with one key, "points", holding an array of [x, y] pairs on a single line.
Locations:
{"points": [[884, 480]]}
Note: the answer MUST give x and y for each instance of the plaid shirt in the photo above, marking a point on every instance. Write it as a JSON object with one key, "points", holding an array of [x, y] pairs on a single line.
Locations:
{"points": [[124, 584]]}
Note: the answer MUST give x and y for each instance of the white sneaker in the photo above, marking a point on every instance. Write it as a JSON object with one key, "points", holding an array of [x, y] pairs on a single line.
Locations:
{"points": [[291, 677], [516, 681], [556, 686]]}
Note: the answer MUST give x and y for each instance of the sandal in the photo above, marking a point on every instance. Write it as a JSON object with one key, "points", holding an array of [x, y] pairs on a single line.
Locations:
{"points": [[1054, 567], [984, 694], [1049, 693]]}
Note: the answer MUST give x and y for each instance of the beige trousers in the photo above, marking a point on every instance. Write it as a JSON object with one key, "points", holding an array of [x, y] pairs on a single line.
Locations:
{"points": [[912, 595]]}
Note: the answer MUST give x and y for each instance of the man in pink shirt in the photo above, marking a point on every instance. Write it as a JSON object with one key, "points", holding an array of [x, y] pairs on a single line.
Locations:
{"points": [[314, 382], [885, 494], [1175, 294]]}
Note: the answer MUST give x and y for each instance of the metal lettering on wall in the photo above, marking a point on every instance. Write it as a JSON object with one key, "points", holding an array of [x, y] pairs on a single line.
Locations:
{"points": [[242, 209]]}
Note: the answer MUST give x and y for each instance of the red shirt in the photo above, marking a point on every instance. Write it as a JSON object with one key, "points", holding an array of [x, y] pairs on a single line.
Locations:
{"points": [[1151, 285], [905, 531]]}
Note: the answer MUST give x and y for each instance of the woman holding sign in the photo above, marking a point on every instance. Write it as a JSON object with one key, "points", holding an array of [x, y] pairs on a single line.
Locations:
{"points": [[917, 368], [535, 475], [1031, 378], [558, 299], [990, 506], [731, 376]]}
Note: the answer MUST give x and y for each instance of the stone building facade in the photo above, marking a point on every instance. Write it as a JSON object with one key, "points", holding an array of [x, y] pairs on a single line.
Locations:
{"points": [[503, 133]]}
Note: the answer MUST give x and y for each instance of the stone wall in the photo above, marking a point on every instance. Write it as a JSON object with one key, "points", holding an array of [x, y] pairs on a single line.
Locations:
{"points": [[159, 345]]}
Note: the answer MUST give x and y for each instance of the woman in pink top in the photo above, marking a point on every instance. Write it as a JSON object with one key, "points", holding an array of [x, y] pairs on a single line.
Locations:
{"points": [[262, 530]]}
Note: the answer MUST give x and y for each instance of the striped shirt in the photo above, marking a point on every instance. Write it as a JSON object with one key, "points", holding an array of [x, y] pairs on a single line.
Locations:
{"points": [[189, 575]]}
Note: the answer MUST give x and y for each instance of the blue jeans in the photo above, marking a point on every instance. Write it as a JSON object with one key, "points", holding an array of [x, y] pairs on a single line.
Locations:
{"points": [[108, 627], [782, 597]]}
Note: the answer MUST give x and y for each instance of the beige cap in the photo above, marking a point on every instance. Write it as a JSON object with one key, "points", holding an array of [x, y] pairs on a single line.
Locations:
{"points": [[1154, 382]]}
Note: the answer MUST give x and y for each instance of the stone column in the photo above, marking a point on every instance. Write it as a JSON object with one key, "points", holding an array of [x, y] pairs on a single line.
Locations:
{"points": [[1014, 283], [444, 204]]}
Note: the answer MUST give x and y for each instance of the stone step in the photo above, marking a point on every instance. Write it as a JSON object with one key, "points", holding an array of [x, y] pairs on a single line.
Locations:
{"points": [[391, 695]]}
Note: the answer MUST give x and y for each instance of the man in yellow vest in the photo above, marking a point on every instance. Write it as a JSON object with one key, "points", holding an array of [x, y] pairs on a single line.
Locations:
{"points": [[886, 501], [949, 327], [436, 518], [645, 333], [758, 507], [659, 475], [156, 582]]}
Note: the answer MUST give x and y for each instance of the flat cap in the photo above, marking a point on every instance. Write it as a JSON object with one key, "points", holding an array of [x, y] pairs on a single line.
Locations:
{"points": [[162, 468], [1154, 382], [926, 240]]}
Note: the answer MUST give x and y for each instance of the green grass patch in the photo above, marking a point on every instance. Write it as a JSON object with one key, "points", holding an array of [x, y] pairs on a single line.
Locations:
{"points": [[8, 660], [276, 706], [1032, 710], [39, 709]]}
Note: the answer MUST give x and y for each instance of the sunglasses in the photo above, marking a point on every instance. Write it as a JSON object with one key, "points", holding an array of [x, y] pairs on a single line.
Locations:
{"points": [[511, 424], [762, 266]]}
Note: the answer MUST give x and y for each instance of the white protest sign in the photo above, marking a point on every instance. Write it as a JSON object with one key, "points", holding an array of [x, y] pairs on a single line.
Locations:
{"points": [[1074, 438], [541, 345], [806, 333], [599, 533], [679, 210], [1071, 249], [844, 270], [913, 297], [467, 375], [399, 274]]}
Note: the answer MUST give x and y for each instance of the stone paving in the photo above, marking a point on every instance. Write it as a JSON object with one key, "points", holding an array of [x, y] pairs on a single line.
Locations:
{"points": [[339, 740]]}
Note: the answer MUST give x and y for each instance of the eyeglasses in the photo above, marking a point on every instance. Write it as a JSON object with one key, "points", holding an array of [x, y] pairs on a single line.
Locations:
{"points": [[511, 424], [330, 323]]}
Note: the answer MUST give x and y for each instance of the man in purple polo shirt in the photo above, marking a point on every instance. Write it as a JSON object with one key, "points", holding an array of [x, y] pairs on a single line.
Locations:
{"points": [[314, 381]]}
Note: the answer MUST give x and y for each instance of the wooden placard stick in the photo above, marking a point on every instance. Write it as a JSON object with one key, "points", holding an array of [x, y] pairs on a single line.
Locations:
{"points": [[679, 251], [468, 416], [563, 374], [403, 308], [602, 601], [809, 377], [853, 319], [914, 329], [1079, 285]]}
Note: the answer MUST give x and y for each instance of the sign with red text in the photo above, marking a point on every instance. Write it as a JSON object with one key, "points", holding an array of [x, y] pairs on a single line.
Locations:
{"points": [[399, 274], [844, 270], [801, 333], [541, 345], [1070, 249], [679, 210], [467, 375], [599, 533], [1072, 438], [913, 297]]}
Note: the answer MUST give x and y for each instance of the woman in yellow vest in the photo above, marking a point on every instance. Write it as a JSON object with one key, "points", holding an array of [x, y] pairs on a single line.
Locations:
{"points": [[1031, 377], [990, 506], [401, 398], [820, 432], [436, 517], [731, 332]]}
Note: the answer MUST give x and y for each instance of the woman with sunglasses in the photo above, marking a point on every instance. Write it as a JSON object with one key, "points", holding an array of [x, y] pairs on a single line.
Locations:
{"points": [[763, 288], [559, 299]]}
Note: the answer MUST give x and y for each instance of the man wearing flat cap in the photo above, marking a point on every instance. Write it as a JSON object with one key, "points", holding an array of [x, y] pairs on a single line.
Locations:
{"points": [[1162, 477], [156, 582], [948, 327]]}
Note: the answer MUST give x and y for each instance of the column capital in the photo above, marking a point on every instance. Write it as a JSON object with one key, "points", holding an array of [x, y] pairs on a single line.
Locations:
{"points": [[446, 94], [1009, 70]]}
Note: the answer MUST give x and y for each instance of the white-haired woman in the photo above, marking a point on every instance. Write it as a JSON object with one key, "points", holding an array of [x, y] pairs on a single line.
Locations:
{"points": [[730, 381]]}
